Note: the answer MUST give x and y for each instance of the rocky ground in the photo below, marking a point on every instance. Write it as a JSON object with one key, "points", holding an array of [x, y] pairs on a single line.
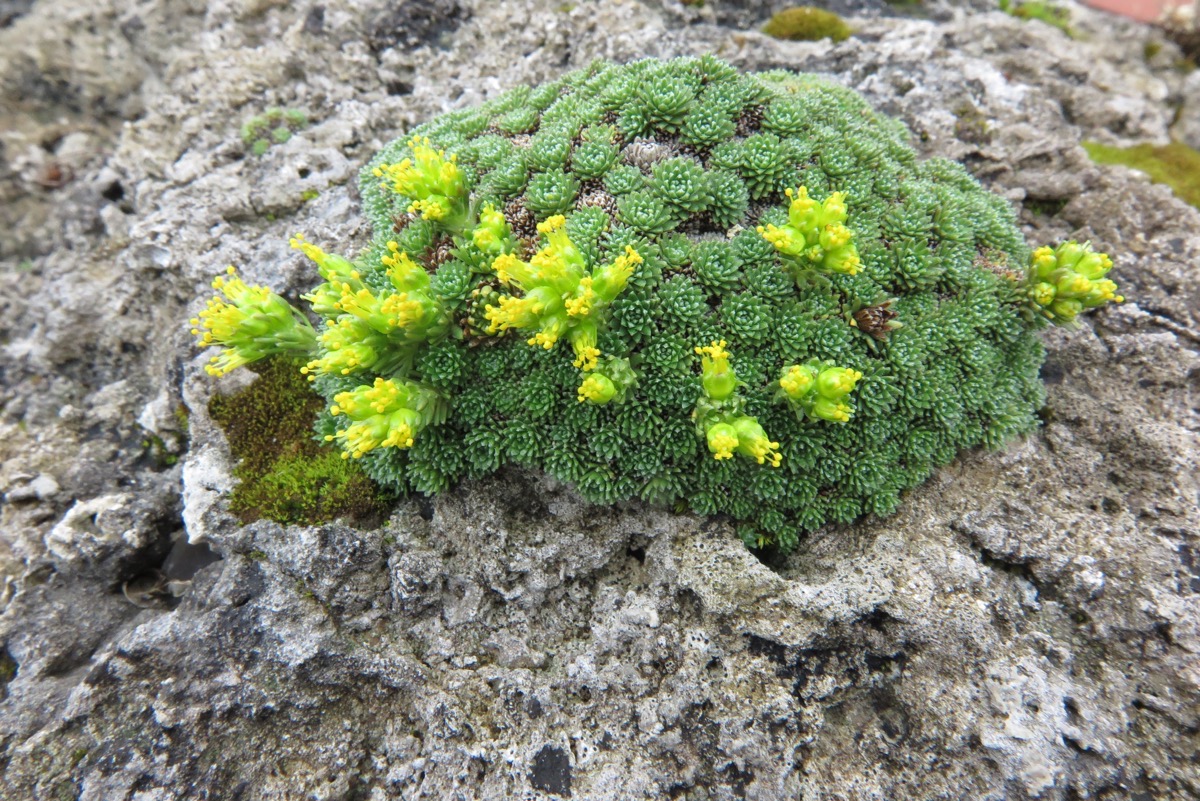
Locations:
{"points": [[1025, 627]]}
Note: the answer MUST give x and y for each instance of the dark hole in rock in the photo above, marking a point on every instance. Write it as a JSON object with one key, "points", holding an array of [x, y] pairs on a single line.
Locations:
{"points": [[737, 778], [186, 559], [1073, 744], [771, 558], [8, 671], [314, 23], [883, 663], [399, 88], [11, 9], [415, 23], [1052, 373], [551, 771], [425, 508], [165, 570], [52, 139], [113, 192], [304, 172], [1072, 709]]}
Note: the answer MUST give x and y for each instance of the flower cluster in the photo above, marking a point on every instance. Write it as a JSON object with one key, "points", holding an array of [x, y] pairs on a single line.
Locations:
{"points": [[1064, 281], [370, 328], [719, 415], [820, 391], [388, 414], [815, 236], [561, 294], [607, 382], [435, 186], [250, 323]]}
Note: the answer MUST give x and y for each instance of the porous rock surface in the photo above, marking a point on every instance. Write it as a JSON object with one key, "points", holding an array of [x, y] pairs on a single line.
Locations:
{"points": [[1025, 627]]}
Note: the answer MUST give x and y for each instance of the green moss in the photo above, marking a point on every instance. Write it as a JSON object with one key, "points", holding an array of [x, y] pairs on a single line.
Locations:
{"points": [[285, 474], [8, 672], [1050, 13], [1151, 49], [1176, 165], [158, 451], [971, 125], [273, 126], [807, 24], [309, 194], [1046, 208]]}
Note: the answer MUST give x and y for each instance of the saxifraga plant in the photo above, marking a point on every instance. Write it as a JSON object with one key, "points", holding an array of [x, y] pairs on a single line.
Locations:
{"points": [[668, 280]]}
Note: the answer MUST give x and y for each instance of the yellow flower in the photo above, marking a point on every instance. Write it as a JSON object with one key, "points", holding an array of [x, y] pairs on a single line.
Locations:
{"points": [[434, 184], [722, 441], [585, 298], [753, 442], [251, 322], [543, 339], [797, 380], [785, 240], [597, 388], [837, 382], [716, 376], [587, 358], [387, 414]]}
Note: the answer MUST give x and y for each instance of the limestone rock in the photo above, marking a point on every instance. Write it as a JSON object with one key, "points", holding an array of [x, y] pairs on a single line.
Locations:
{"points": [[1026, 626]]}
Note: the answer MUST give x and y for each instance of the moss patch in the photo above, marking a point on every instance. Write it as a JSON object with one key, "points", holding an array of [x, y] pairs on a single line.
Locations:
{"points": [[1046, 208], [8, 672], [1176, 165], [285, 474], [1054, 15], [274, 126], [807, 24], [971, 125]]}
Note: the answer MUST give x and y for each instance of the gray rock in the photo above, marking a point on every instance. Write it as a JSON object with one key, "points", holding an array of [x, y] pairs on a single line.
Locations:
{"points": [[1187, 125], [1025, 627]]}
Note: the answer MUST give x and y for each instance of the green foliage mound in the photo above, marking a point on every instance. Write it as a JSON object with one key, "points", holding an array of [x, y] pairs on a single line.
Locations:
{"points": [[742, 294]]}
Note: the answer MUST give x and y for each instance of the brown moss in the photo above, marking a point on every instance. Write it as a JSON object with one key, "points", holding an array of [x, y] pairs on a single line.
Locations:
{"points": [[285, 474]]}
